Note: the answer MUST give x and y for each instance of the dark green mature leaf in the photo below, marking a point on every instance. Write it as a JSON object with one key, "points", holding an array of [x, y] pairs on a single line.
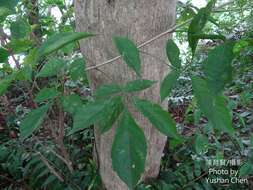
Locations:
{"points": [[168, 83], [77, 69], [129, 151], [112, 113], [218, 68], [160, 118], [201, 144], [19, 45], [46, 94], [246, 169], [32, 121], [4, 54], [19, 28], [7, 7], [95, 112], [198, 23], [107, 90], [51, 68], [173, 53], [129, 53], [138, 85], [5, 83], [71, 103], [214, 107], [59, 40]]}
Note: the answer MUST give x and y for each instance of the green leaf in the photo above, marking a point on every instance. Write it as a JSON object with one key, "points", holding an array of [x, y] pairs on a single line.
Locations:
{"points": [[32, 121], [107, 90], [46, 94], [77, 69], [19, 45], [95, 112], [59, 40], [173, 53], [138, 85], [7, 7], [214, 107], [246, 169], [198, 23], [19, 28], [218, 68], [129, 53], [129, 151], [168, 83], [51, 68], [112, 113], [5, 83], [4, 54], [160, 118], [71, 103], [201, 144]]}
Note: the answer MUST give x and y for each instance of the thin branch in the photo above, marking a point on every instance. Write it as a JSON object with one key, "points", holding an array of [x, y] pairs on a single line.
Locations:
{"points": [[142, 44]]}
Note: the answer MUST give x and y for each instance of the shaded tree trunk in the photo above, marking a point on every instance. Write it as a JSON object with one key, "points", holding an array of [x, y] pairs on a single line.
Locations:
{"points": [[138, 20]]}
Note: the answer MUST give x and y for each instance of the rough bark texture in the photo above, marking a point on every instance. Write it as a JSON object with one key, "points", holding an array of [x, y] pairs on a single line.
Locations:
{"points": [[138, 20]]}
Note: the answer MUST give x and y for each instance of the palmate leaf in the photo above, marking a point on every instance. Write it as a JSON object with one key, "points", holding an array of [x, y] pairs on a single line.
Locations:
{"points": [[129, 53], [59, 40], [32, 121], [213, 106], [160, 118], [129, 151], [7, 7], [218, 67], [131, 86], [197, 25], [138, 85], [103, 112], [71, 103]]}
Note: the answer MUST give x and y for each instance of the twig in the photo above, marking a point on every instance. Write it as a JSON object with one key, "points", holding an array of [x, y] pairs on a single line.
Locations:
{"points": [[141, 45]]}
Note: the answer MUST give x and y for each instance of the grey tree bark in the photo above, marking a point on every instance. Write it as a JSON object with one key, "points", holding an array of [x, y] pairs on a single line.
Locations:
{"points": [[138, 20]]}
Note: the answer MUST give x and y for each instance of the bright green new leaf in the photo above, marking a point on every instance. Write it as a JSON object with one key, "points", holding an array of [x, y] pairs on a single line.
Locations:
{"points": [[59, 40], [77, 69], [32, 121], [19, 28], [168, 83], [129, 151], [4, 54], [46, 94], [107, 90], [71, 103], [218, 68], [129, 53], [95, 112], [173, 53], [214, 107], [160, 118], [138, 85], [51, 68], [198, 23], [112, 113]]}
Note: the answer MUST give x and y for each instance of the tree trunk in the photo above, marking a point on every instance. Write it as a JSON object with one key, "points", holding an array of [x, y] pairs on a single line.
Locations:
{"points": [[138, 20]]}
